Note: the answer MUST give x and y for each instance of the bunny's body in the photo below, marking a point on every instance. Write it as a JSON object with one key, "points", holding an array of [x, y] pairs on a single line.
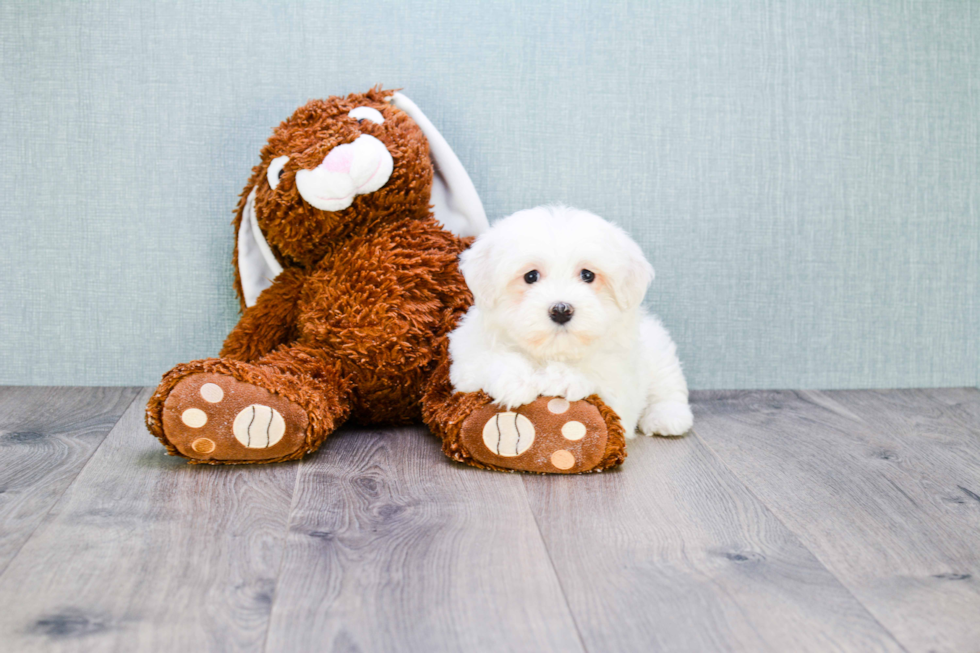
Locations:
{"points": [[379, 327]]}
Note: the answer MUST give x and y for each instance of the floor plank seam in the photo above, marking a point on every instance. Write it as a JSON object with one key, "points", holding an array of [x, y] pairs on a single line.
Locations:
{"points": [[803, 544], [974, 431], [56, 502], [282, 560], [554, 569]]}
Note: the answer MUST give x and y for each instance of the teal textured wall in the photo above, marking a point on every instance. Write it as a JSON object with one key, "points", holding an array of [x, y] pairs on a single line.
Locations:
{"points": [[805, 176]]}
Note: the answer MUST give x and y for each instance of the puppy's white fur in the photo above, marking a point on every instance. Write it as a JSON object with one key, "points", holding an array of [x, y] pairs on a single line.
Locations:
{"points": [[509, 347]]}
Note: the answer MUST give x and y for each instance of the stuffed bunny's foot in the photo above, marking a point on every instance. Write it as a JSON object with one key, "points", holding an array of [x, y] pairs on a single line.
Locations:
{"points": [[215, 418], [548, 435]]}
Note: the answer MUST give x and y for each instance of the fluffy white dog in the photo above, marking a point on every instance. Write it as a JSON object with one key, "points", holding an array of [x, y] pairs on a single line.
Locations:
{"points": [[558, 312]]}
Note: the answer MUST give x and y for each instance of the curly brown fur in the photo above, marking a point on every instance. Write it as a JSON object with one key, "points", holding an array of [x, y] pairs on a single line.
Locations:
{"points": [[356, 325], [368, 294], [303, 235]]}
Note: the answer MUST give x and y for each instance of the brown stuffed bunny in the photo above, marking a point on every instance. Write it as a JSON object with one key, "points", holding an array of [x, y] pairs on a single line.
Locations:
{"points": [[349, 286]]}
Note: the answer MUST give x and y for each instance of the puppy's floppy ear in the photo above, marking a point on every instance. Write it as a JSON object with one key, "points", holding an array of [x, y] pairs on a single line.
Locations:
{"points": [[478, 266], [632, 273]]}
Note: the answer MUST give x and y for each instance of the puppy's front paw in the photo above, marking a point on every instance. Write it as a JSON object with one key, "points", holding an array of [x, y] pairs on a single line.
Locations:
{"points": [[513, 391], [559, 380], [578, 387], [667, 418]]}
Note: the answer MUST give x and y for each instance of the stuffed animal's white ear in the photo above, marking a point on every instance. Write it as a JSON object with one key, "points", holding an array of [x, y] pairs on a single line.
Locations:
{"points": [[457, 205], [257, 265]]}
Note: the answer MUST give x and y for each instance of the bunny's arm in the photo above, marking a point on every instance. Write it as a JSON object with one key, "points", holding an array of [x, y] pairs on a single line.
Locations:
{"points": [[270, 322]]}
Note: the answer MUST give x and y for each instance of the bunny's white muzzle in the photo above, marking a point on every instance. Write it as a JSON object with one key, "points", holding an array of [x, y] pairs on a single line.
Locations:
{"points": [[348, 170]]}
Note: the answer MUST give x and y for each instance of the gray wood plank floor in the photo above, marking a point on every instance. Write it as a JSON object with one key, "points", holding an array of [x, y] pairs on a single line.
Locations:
{"points": [[392, 548], [880, 486], [48, 434], [803, 521], [672, 553]]}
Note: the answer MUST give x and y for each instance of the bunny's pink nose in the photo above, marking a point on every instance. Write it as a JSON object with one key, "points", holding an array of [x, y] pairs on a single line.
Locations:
{"points": [[340, 159]]}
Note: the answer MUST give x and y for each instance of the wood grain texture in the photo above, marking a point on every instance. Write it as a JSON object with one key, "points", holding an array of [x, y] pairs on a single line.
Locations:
{"points": [[882, 486], [672, 553], [144, 552], [392, 547], [788, 521], [46, 437]]}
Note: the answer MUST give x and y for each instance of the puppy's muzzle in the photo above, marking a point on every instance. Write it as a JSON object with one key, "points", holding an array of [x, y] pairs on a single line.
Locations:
{"points": [[561, 312]]}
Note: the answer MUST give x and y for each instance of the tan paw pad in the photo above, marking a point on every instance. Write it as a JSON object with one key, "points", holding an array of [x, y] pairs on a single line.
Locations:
{"points": [[573, 430], [203, 445], [508, 434], [562, 459], [212, 393], [258, 426], [558, 405], [194, 418]]}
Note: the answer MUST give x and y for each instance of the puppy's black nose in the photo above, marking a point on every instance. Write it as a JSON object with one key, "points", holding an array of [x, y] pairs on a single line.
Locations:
{"points": [[561, 312]]}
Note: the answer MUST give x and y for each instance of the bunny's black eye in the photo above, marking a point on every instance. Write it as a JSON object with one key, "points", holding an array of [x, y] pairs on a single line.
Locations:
{"points": [[532, 276], [588, 276], [360, 114], [276, 167]]}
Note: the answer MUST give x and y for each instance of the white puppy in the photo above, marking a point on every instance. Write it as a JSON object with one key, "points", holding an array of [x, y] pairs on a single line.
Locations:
{"points": [[558, 312]]}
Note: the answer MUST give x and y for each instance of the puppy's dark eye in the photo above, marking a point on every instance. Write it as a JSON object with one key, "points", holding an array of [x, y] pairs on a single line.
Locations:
{"points": [[360, 120], [532, 276], [588, 276], [281, 172]]}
